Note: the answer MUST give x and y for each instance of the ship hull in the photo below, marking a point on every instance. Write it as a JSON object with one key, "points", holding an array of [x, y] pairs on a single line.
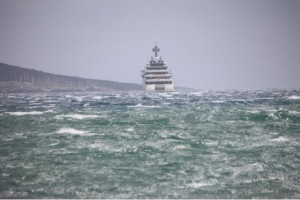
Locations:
{"points": [[159, 88]]}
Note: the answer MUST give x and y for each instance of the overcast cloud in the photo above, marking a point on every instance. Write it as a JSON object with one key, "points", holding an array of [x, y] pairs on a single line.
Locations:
{"points": [[209, 44]]}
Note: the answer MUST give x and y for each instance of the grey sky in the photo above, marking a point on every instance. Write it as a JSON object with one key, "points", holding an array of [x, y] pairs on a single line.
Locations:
{"points": [[209, 44]]}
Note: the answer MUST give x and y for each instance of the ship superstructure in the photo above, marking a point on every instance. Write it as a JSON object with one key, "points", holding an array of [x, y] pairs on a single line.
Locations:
{"points": [[157, 75]]}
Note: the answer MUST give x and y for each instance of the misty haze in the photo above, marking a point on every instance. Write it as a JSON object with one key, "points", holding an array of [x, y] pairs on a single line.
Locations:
{"points": [[149, 99]]}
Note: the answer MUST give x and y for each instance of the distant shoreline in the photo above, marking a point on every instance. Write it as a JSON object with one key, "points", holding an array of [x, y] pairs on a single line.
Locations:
{"points": [[14, 79]]}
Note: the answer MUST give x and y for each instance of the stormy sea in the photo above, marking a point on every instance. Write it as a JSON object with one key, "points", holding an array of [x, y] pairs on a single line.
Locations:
{"points": [[206, 144]]}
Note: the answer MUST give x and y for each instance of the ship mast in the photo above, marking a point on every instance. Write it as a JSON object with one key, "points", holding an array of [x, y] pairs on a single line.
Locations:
{"points": [[155, 50]]}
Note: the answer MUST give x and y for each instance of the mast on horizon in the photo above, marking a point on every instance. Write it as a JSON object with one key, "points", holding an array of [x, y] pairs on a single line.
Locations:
{"points": [[155, 50]]}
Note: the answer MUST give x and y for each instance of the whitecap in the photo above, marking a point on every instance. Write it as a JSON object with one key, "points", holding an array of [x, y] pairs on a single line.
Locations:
{"points": [[35, 103], [98, 97], [50, 101], [79, 98], [294, 97], [143, 106], [130, 129], [5, 174], [86, 104], [198, 185], [76, 116], [218, 101], [176, 93], [197, 94], [25, 113], [179, 147], [73, 131], [28, 113], [256, 167], [165, 95], [239, 100], [53, 144], [97, 146], [253, 111], [211, 143], [230, 121], [294, 112], [279, 139]]}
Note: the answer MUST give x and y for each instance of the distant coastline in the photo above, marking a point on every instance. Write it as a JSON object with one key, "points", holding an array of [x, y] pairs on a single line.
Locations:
{"points": [[19, 79]]}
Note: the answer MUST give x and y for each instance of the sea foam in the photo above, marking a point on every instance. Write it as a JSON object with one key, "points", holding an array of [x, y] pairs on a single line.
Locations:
{"points": [[198, 185], [294, 97], [279, 139], [28, 113], [76, 116], [73, 132], [143, 106]]}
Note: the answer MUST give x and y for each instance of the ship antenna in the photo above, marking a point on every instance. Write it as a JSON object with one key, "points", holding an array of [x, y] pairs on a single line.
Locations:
{"points": [[155, 50]]}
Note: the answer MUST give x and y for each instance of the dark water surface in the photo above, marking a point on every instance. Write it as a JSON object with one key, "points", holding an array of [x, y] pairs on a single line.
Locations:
{"points": [[225, 144]]}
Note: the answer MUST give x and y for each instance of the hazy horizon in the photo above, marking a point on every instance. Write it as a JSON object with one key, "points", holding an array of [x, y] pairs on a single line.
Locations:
{"points": [[209, 44]]}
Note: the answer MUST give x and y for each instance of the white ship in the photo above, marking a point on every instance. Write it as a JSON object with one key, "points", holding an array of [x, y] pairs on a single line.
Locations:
{"points": [[157, 75]]}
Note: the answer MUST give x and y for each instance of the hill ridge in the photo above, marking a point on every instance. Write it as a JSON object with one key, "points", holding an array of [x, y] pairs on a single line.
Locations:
{"points": [[20, 79]]}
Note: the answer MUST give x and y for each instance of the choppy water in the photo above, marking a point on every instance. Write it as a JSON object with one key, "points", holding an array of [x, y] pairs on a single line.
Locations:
{"points": [[226, 144]]}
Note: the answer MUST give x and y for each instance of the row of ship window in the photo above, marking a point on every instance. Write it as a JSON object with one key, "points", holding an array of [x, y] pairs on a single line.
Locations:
{"points": [[165, 82], [156, 68], [157, 73], [166, 77]]}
